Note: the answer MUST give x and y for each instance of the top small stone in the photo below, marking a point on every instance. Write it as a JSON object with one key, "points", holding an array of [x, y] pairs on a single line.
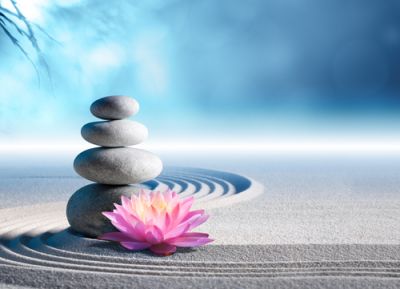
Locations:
{"points": [[114, 107]]}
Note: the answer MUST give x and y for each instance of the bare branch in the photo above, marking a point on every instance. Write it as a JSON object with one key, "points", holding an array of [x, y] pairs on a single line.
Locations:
{"points": [[27, 31], [16, 43], [47, 34], [12, 23], [5, 11]]}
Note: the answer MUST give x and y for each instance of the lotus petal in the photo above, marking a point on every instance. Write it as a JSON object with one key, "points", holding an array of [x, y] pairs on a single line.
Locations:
{"points": [[158, 221]]}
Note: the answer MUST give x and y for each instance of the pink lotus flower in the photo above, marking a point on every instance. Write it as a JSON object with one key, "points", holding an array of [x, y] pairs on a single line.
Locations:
{"points": [[158, 221]]}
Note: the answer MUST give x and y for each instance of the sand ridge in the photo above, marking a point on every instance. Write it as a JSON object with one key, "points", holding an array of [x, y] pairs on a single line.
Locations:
{"points": [[262, 242]]}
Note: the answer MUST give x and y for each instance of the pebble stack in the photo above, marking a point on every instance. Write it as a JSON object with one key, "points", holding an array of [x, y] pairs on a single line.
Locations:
{"points": [[116, 168]]}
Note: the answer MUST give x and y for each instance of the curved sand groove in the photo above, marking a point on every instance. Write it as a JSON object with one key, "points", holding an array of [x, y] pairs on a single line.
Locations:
{"points": [[207, 186], [27, 234], [25, 252], [58, 251], [34, 241], [41, 253]]}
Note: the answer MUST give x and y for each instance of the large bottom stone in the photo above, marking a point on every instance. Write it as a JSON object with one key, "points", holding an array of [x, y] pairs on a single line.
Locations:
{"points": [[85, 206]]}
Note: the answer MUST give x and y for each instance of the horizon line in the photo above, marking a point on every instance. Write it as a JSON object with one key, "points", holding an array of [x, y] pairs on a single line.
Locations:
{"points": [[273, 146]]}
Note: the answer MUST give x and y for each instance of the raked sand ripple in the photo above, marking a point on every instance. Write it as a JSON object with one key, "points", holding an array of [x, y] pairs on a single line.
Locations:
{"points": [[37, 249]]}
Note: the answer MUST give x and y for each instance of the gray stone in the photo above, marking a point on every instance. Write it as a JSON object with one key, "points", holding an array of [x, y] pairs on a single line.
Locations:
{"points": [[114, 107], [114, 133], [85, 207], [117, 166]]}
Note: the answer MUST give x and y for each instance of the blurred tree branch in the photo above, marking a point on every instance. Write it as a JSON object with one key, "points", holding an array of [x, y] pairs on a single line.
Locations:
{"points": [[15, 24]]}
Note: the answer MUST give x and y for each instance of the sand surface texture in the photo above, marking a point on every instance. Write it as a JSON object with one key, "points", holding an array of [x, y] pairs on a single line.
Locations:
{"points": [[288, 225]]}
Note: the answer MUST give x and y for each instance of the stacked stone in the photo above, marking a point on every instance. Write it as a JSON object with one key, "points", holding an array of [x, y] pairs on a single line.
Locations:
{"points": [[116, 168]]}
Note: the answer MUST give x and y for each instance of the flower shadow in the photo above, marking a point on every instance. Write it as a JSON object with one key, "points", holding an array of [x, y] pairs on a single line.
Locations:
{"points": [[117, 248]]}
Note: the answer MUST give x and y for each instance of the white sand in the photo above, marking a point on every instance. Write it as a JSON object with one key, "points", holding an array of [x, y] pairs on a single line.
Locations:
{"points": [[320, 225]]}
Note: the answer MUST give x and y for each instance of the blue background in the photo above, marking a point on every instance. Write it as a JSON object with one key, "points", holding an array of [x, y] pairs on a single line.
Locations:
{"points": [[208, 70]]}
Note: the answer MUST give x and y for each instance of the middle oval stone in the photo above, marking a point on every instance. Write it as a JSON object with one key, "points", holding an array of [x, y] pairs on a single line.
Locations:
{"points": [[117, 166], [114, 133]]}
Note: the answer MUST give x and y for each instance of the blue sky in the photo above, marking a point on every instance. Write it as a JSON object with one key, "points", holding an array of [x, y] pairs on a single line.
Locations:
{"points": [[209, 70]]}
